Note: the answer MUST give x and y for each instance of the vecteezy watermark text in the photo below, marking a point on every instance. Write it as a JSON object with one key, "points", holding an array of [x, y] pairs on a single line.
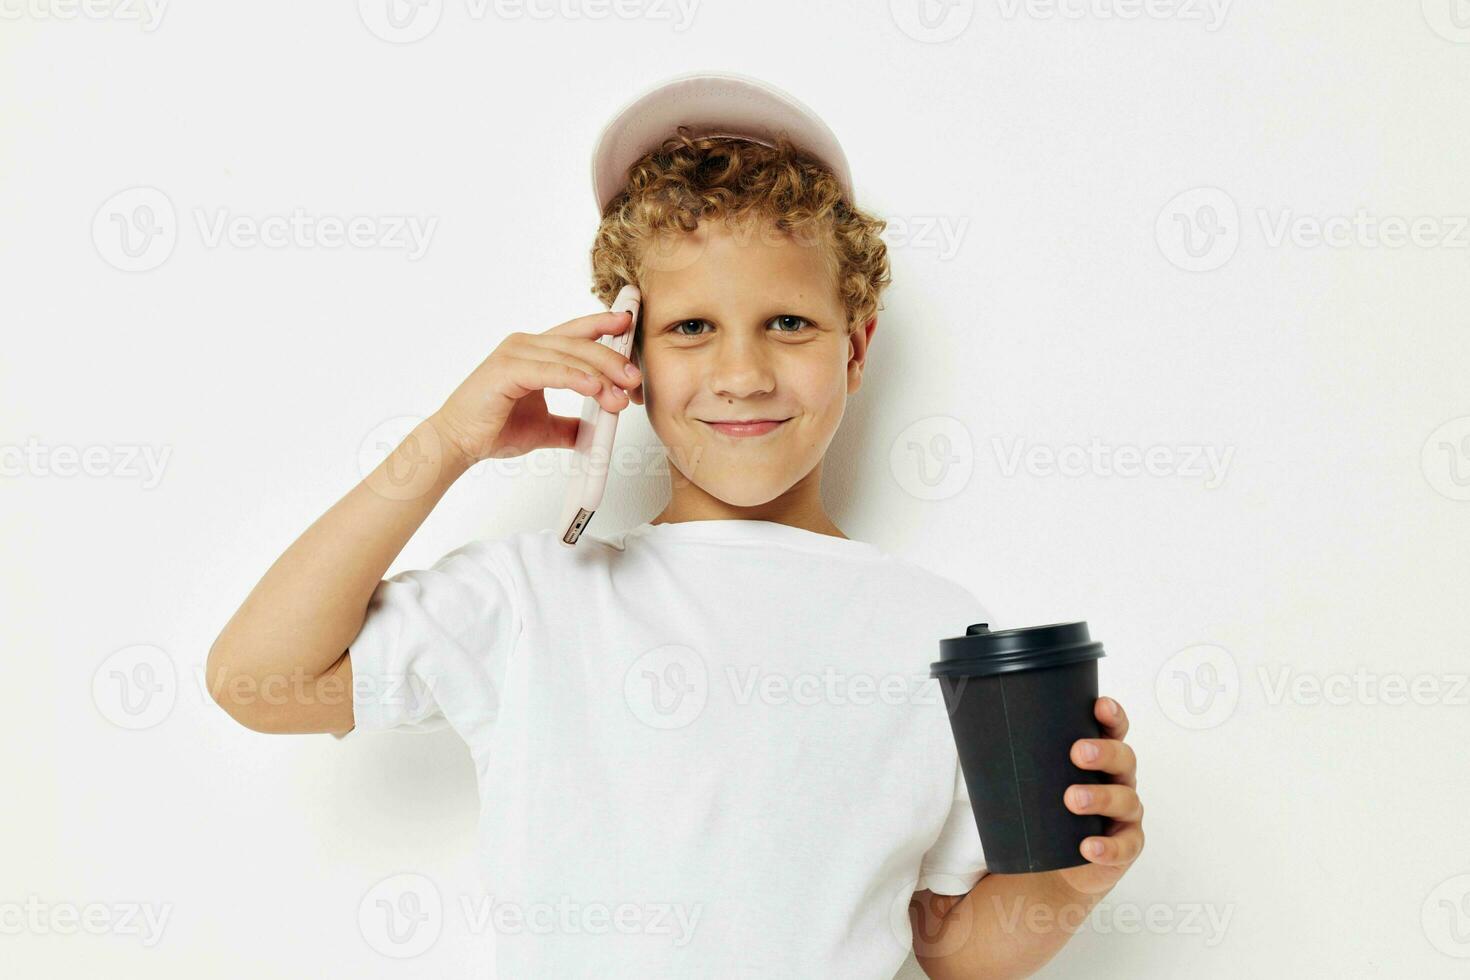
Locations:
{"points": [[408, 233], [1201, 229], [1211, 13], [668, 687], [1097, 459], [1127, 918], [403, 915], [39, 918], [148, 14], [137, 229], [672, 919], [939, 233], [122, 461], [407, 21], [1200, 686]]}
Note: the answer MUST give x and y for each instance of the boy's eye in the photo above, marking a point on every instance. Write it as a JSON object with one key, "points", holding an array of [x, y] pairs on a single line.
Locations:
{"points": [[784, 321], [787, 317]]}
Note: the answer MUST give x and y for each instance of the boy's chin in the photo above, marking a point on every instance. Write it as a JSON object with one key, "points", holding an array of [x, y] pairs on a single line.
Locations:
{"points": [[739, 490]]}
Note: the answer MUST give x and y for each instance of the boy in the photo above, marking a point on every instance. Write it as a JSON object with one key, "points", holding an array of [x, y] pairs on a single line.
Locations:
{"points": [[724, 713]]}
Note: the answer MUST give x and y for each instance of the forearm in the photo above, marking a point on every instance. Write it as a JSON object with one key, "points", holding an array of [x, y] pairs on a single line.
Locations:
{"points": [[310, 604], [1007, 926]]}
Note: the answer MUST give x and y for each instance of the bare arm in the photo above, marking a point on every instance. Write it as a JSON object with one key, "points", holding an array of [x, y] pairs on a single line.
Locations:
{"points": [[1007, 926], [1012, 925], [280, 664]]}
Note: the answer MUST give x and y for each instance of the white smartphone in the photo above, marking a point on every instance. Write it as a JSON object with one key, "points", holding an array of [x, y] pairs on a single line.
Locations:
{"points": [[595, 432]]}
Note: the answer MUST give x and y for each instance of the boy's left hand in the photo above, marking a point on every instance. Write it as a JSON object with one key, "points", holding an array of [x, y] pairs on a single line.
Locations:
{"points": [[1116, 800]]}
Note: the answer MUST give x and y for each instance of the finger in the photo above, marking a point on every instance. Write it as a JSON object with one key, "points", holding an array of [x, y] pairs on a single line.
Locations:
{"points": [[528, 375], [534, 350], [561, 432], [1121, 848], [1110, 713], [1107, 799], [614, 366], [613, 398], [593, 325], [610, 396], [1109, 756]]}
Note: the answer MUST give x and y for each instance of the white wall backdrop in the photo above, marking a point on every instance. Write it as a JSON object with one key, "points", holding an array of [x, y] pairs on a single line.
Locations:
{"points": [[1177, 344]]}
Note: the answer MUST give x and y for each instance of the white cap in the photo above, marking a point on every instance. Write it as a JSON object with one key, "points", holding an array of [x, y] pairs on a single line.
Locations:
{"points": [[710, 104]]}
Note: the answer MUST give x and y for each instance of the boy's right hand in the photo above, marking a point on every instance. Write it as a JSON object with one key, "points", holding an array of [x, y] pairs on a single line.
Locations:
{"points": [[499, 411]]}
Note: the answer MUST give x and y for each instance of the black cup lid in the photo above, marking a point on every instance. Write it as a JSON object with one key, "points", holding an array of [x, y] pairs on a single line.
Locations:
{"points": [[982, 651]]}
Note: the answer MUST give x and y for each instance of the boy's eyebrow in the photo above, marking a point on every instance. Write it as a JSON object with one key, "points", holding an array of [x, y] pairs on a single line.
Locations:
{"points": [[775, 297], [696, 311]]}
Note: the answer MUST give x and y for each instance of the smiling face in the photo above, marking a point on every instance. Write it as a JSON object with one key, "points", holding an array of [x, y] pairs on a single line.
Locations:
{"points": [[745, 324]]}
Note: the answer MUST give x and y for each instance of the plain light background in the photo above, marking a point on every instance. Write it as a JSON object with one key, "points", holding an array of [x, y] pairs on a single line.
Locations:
{"points": [[1086, 212]]}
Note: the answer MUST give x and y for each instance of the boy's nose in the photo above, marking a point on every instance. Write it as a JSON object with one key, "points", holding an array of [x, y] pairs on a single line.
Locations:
{"points": [[741, 374]]}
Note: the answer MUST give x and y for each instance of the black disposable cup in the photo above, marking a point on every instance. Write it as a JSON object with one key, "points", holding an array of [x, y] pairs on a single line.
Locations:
{"points": [[1017, 700]]}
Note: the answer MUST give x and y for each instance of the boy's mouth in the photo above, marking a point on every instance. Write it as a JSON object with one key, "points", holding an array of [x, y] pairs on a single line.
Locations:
{"points": [[742, 428]]}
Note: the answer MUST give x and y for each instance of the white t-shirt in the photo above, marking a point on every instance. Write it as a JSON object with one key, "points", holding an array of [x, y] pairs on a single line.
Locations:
{"points": [[708, 748]]}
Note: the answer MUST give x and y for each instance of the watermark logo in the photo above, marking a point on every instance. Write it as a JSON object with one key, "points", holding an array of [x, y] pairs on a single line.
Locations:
{"points": [[401, 916], [1450, 19], [135, 230], [933, 458], [1445, 459], [136, 687], [401, 21], [409, 473], [922, 928], [667, 687], [1198, 687], [1446, 916], [1199, 230], [932, 21]]}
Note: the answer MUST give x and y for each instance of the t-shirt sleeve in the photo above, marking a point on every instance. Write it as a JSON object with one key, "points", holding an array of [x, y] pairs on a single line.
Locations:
{"points": [[434, 645], [956, 861]]}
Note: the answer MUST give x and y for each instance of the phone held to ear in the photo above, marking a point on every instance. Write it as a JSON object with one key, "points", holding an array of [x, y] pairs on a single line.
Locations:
{"points": [[595, 431]]}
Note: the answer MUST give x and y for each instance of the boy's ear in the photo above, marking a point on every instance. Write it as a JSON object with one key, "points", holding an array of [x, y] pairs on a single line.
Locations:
{"points": [[859, 339]]}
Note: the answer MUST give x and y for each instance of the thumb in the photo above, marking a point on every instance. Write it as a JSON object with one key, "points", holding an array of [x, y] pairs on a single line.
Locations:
{"points": [[562, 431]]}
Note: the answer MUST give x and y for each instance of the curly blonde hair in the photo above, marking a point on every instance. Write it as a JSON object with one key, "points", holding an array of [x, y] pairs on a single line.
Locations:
{"points": [[690, 179]]}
